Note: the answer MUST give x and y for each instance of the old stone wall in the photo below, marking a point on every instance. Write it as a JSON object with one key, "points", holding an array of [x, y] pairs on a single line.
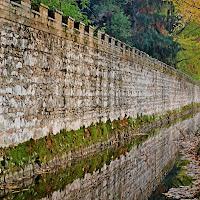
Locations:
{"points": [[56, 74]]}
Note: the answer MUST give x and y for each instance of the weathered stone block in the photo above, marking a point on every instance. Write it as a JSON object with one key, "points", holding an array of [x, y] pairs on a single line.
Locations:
{"points": [[54, 77]]}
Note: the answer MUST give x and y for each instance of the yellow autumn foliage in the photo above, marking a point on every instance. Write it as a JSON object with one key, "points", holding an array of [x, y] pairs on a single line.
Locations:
{"points": [[188, 9], [189, 57]]}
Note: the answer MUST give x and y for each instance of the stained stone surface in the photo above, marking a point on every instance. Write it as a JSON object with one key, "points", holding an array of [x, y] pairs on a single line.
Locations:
{"points": [[53, 77]]}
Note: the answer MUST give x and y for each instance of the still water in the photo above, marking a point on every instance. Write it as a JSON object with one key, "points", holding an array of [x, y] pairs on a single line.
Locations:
{"points": [[128, 170], [174, 179]]}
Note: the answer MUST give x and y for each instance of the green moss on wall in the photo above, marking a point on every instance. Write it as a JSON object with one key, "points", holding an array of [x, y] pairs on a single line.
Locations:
{"points": [[45, 149]]}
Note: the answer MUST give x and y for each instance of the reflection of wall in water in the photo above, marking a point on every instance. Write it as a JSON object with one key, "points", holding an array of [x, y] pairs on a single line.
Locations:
{"points": [[132, 176]]}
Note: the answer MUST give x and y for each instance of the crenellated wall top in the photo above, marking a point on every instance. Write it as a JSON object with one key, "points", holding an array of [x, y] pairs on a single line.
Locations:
{"points": [[42, 18]]}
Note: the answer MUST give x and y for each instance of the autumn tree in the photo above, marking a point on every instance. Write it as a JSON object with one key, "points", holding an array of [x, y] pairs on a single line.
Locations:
{"points": [[188, 59], [187, 33], [188, 9], [155, 20]]}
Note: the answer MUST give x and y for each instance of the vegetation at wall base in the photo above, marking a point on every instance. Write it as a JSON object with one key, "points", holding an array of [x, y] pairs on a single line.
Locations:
{"points": [[198, 149], [57, 180], [44, 150]]}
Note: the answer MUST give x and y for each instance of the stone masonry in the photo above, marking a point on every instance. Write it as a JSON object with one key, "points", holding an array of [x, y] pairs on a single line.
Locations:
{"points": [[133, 176], [56, 74]]}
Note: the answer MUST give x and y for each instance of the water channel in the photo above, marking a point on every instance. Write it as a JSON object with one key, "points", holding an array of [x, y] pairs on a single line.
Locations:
{"points": [[126, 171]]}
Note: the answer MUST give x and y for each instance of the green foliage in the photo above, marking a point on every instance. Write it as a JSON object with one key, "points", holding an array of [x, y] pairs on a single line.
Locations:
{"points": [[131, 122], [70, 137], [188, 58], [109, 16], [73, 8], [151, 35], [93, 165], [79, 135], [94, 133], [19, 155], [108, 126], [156, 45], [102, 130], [145, 25], [116, 125], [105, 132], [198, 149], [138, 139]]}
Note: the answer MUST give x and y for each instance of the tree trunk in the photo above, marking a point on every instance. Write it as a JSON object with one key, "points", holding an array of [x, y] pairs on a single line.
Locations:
{"points": [[134, 14]]}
